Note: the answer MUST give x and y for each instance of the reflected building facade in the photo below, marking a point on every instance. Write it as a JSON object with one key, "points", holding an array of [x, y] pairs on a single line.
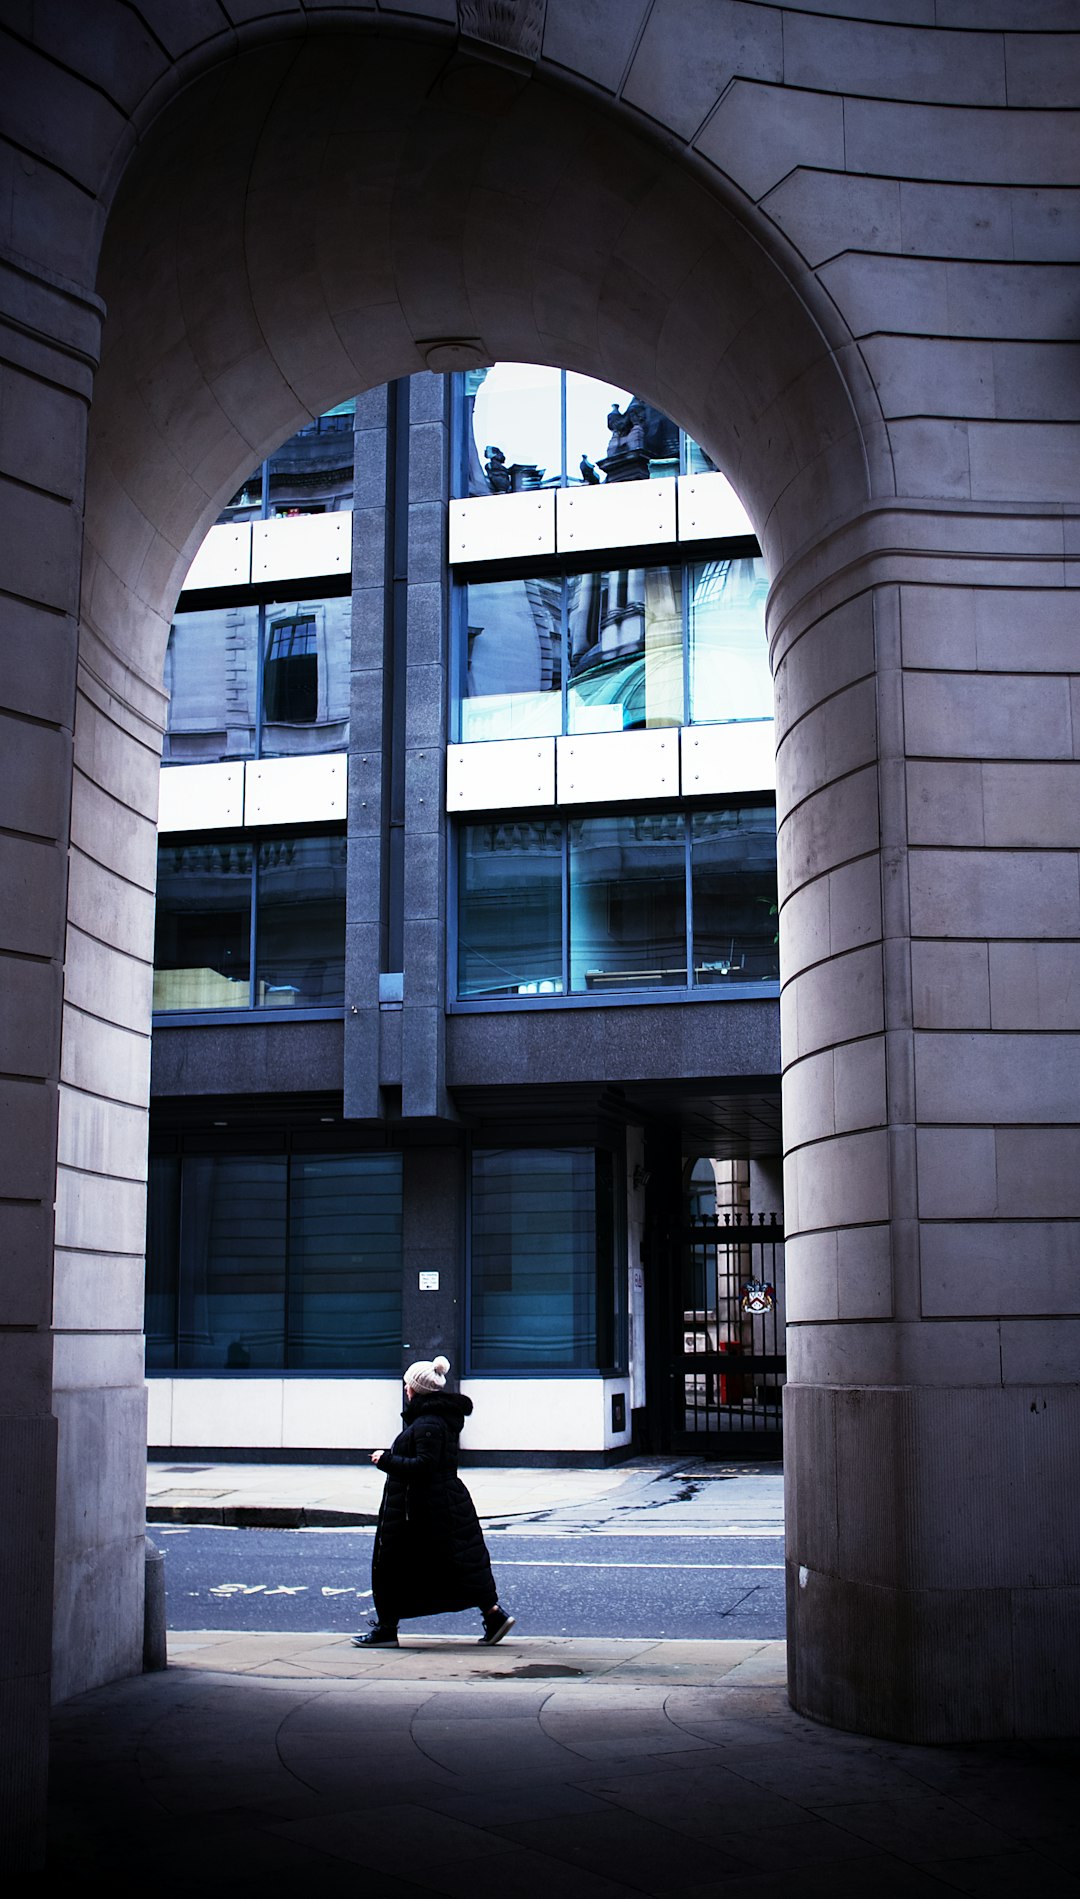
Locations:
{"points": [[466, 973]]}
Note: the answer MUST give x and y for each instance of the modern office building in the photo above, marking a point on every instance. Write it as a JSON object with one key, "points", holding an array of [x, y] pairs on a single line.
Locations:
{"points": [[466, 970]]}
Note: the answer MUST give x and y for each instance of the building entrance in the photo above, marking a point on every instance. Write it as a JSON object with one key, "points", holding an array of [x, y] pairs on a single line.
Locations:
{"points": [[728, 1360]]}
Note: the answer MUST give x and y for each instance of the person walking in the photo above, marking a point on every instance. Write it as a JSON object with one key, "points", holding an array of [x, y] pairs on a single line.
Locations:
{"points": [[429, 1554]]}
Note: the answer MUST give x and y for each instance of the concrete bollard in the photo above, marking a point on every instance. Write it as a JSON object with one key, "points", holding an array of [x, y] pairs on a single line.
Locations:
{"points": [[154, 1645]]}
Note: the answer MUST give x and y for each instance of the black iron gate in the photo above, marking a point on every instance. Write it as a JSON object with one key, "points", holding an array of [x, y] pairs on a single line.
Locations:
{"points": [[728, 1356]]}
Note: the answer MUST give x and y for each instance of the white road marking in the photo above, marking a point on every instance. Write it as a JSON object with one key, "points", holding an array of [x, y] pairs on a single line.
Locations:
{"points": [[510, 1562]]}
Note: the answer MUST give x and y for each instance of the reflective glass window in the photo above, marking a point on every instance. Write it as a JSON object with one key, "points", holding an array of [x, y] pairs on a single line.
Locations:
{"points": [[626, 649], [202, 941], [232, 1270], [513, 659], [613, 435], [627, 902], [344, 1299], [312, 473], [211, 677], [162, 1260], [733, 867], [306, 668], [729, 658], [543, 1280], [268, 1262], [510, 909], [300, 922], [514, 428]]}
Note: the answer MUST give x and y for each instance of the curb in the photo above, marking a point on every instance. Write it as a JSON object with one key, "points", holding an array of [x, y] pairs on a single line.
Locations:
{"points": [[243, 1516]]}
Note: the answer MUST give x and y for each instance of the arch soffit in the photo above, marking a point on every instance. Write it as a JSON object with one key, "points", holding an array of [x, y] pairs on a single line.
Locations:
{"points": [[307, 215]]}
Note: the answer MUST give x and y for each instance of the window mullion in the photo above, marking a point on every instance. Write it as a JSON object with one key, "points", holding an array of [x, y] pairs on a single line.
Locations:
{"points": [[252, 941], [688, 848]]}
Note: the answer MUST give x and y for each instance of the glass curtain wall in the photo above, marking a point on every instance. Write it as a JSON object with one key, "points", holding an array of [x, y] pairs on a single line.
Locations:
{"points": [[645, 647], [232, 910], [617, 903], [272, 1262], [311, 473], [255, 681], [545, 1292], [527, 426]]}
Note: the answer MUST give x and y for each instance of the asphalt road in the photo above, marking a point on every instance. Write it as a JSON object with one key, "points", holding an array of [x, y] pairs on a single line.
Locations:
{"points": [[589, 1584]]}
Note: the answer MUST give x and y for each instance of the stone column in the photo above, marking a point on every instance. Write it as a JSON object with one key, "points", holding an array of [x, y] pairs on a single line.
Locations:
{"points": [[930, 905], [423, 1018], [51, 332]]}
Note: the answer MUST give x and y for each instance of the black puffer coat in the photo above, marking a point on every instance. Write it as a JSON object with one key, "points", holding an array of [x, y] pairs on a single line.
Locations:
{"points": [[429, 1554]]}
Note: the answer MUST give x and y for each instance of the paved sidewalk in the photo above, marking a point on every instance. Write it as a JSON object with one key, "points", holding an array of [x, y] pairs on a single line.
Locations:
{"points": [[686, 1496], [533, 1769]]}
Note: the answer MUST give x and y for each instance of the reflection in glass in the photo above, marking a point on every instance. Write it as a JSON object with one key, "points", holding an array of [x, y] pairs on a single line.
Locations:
{"points": [[697, 461], [312, 473], [211, 676], [162, 1260], [515, 432], [300, 922], [513, 674], [232, 1263], [626, 654], [510, 909], [613, 435], [306, 677], [542, 1283], [202, 941], [729, 658], [627, 902], [733, 869], [259, 1262], [344, 1299]]}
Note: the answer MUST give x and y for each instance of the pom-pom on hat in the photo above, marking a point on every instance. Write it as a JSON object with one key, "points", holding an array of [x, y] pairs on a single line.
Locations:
{"points": [[428, 1374]]}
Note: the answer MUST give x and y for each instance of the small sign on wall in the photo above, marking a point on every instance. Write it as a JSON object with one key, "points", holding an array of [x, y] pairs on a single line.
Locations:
{"points": [[429, 1282]]}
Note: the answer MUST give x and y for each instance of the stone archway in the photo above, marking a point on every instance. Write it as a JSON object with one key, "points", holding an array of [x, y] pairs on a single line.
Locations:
{"points": [[261, 261], [305, 209]]}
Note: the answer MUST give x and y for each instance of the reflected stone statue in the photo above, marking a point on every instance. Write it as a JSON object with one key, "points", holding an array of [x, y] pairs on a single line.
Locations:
{"points": [[497, 472], [639, 436], [588, 472]]}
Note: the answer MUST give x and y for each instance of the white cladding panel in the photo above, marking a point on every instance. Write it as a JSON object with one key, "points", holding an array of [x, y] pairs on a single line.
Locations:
{"points": [[300, 545], [616, 514], [543, 1414], [200, 797], [512, 1414], [500, 774], [296, 790], [709, 509], [223, 560], [737, 757], [602, 767], [503, 527]]}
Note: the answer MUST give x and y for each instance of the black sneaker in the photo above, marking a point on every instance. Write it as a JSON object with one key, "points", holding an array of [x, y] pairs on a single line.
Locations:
{"points": [[496, 1625], [376, 1638]]}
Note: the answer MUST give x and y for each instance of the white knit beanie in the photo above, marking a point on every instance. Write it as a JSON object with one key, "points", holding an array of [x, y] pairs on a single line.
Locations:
{"points": [[428, 1374]]}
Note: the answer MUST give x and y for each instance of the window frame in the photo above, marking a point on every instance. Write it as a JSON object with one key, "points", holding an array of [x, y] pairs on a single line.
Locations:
{"points": [[764, 989], [288, 1145], [538, 1139], [251, 1012]]}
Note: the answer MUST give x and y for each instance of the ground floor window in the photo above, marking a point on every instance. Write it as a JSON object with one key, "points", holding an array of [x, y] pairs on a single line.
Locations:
{"points": [[274, 1262], [545, 1287], [617, 903]]}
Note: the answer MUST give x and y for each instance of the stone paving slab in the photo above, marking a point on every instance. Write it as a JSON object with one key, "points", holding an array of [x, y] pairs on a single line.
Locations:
{"points": [[261, 1764]]}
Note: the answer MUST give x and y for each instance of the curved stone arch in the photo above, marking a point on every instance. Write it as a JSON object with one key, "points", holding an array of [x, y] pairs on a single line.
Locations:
{"points": [[306, 280]]}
